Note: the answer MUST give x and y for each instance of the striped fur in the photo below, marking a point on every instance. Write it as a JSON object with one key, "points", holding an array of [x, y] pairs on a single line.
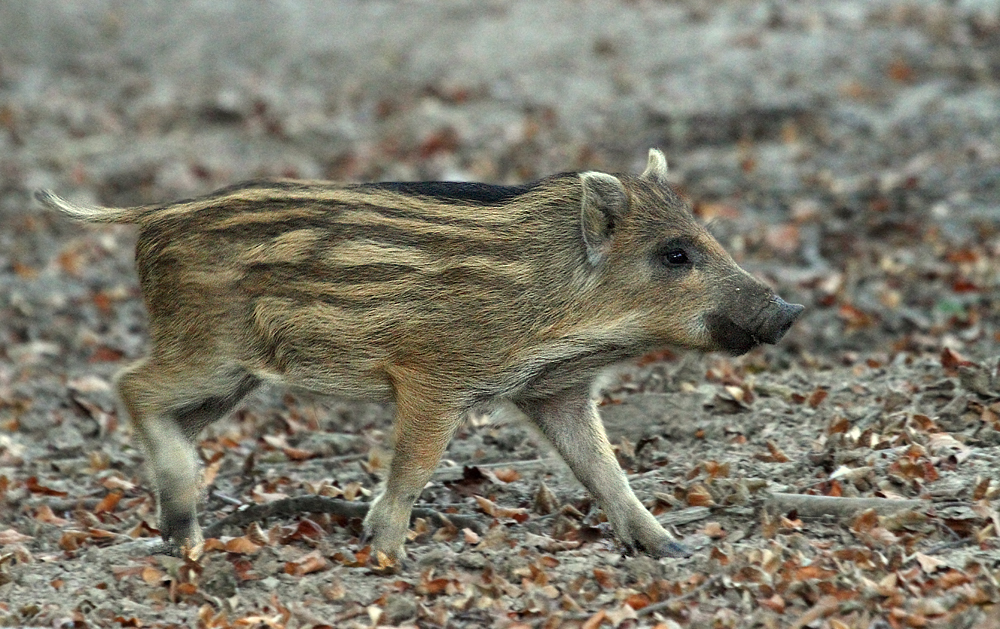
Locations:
{"points": [[441, 297]]}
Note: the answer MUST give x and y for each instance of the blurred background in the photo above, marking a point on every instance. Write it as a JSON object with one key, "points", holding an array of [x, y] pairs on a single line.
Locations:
{"points": [[848, 152]]}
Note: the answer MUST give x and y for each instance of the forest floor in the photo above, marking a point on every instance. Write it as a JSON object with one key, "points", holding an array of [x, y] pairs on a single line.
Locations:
{"points": [[848, 153]]}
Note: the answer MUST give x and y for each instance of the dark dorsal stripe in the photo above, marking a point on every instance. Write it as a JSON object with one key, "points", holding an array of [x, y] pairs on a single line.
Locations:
{"points": [[453, 190]]}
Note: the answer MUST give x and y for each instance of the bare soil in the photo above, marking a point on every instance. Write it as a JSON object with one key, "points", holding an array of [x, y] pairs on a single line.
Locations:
{"points": [[847, 152]]}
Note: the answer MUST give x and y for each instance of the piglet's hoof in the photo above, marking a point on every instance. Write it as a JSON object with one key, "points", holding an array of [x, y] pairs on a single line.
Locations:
{"points": [[669, 548]]}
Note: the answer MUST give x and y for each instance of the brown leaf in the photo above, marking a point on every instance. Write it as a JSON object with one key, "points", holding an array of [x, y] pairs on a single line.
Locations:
{"points": [[777, 455], [605, 578], [490, 508], [663, 355], [716, 470], [105, 354], [45, 514], [24, 271], [241, 546], [444, 140], [960, 256], [952, 360], [900, 72], [117, 483], [507, 475], [812, 571], [101, 534], [262, 497], [35, 487], [354, 490], [298, 454], [774, 603], [471, 537], [838, 425], [10, 536], [434, 587], [699, 496], [619, 615], [545, 500], [774, 455], [306, 529], [638, 600], [384, 561], [309, 563], [152, 576], [335, 591], [595, 621], [817, 397], [854, 317], [952, 578], [72, 540], [928, 563], [362, 556], [708, 211], [210, 472], [981, 489], [109, 503], [784, 239], [866, 521]]}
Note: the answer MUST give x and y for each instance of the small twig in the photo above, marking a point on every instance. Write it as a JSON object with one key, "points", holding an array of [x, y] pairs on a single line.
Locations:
{"points": [[683, 516], [818, 506], [290, 507], [955, 543], [325, 460], [226, 498]]}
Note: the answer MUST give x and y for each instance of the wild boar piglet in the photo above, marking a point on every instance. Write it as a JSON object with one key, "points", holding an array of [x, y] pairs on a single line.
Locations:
{"points": [[444, 298]]}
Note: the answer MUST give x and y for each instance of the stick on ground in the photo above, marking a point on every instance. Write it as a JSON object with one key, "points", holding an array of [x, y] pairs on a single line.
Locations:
{"points": [[291, 507], [818, 506]]}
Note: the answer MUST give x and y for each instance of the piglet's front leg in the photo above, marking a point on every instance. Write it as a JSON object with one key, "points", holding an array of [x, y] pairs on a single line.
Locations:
{"points": [[422, 429], [571, 423]]}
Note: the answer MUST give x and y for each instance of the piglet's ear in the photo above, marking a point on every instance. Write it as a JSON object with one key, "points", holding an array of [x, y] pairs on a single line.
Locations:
{"points": [[656, 169], [604, 204]]}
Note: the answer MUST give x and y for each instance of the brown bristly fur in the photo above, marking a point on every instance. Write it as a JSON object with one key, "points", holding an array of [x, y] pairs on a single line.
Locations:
{"points": [[443, 298]]}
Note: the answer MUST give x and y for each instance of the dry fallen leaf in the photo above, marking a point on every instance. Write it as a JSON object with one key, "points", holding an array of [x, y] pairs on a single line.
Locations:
{"points": [[241, 546], [929, 564], [699, 496], [490, 508], [45, 514], [308, 563], [545, 500], [10, 536], [471, 537], [108, 503]]}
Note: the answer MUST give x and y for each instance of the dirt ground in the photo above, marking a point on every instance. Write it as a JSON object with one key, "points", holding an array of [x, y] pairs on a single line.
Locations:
{"points": [[848, 152]]}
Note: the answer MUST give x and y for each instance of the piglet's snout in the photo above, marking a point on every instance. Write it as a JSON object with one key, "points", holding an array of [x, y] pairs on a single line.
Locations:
{"points": [[779, 315]]}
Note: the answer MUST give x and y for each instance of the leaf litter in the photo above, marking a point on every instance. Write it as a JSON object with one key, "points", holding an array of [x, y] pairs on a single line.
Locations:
{"points": [[845, 478]]}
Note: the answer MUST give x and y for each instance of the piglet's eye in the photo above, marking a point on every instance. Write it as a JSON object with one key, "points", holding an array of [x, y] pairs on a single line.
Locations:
{"points": [[676, 257]]}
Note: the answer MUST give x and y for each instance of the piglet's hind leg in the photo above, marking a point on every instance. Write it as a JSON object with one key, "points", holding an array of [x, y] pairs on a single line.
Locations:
{"points": [[168, 406]]}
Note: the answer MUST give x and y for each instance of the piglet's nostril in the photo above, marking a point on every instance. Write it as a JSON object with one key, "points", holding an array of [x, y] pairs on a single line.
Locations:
{"points": [[790, 311], [783, 319]]}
